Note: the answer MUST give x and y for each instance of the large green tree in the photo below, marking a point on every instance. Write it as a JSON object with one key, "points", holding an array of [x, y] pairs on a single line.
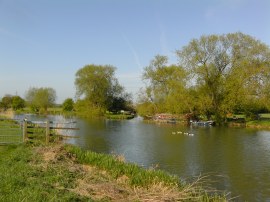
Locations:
{"points": [[98, 89], [68, 105], [39, 99], [17, 103], [229, 71], [6, 102], [166, 89]]}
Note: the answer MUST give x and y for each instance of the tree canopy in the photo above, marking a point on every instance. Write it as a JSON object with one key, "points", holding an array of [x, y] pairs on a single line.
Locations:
{"points": [[98, 90], [216, 75], [68, 105], [40, 99], [165, 87], [14, 102]]}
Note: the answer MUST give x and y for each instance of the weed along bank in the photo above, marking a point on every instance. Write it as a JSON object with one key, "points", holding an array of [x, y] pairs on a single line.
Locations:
{"points": [[67, 173]]}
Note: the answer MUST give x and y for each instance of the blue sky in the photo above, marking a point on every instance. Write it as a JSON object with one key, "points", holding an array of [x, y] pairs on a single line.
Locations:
{"points": [[44, 42]]}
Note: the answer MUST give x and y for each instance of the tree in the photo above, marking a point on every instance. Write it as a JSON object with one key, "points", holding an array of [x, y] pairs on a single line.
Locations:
{"points": [[17, 103], [40, 99], [165, 87], [68, 105], [6, 102], [228, 71], [97, 88]]}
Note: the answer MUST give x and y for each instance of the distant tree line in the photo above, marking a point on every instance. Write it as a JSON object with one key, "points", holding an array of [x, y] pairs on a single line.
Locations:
{"points": [[97, 92], [216, 75], [38, 99], [10, 101]]}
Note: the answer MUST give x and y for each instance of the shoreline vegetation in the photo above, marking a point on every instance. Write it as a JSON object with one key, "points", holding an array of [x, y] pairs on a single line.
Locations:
{"points": [[62, 172], [68, 173], [261, 122]]}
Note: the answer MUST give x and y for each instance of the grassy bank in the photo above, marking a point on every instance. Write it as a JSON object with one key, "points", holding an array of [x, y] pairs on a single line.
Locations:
{"points": [[119, 116], [262, 124], [67, 173]]}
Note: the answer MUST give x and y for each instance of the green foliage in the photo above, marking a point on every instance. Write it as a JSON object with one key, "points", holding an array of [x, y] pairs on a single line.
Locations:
{"points": [[99, 90], [166, 88], [18, 103], [119, 116], [39, 99], [14, 102], [6, 102], [146, 109], [216, 75], [68, 105], [85, 108], [230, 70]]}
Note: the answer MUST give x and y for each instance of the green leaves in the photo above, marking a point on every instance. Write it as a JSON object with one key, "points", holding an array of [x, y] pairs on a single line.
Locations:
{"points": [[40, 98], [99, 90], [216, 75], [165, 86], [68, 105]]}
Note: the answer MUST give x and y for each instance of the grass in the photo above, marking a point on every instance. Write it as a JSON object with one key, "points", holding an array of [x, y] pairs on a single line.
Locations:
{"points": [[117, 168], [119, 116], [24, 177], [67, 173], [259, 124], [266, 116]]}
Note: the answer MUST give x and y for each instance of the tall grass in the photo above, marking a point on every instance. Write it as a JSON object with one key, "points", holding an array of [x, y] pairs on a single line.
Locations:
{"points": [[117, 168], [146, 178]]}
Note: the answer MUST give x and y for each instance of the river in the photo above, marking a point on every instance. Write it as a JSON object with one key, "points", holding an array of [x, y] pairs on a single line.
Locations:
{"points": [[234, 159]]}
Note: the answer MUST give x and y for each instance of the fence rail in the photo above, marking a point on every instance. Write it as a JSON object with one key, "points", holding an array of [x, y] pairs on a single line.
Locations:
{"points": [[19, 131]]}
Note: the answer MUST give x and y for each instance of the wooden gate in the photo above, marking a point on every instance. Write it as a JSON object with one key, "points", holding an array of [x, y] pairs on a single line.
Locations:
{"points": [[11, 131], [19, 131]]}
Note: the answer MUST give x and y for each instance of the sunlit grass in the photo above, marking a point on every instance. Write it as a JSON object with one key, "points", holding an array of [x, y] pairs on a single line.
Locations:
{"points": [[67, 173], [22, 180], [145, 178]]}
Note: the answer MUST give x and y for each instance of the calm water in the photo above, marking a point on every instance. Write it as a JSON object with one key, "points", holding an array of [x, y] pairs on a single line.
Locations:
{"points": [[238, 160]]}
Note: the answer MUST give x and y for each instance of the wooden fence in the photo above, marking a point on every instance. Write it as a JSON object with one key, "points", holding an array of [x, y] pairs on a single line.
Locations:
{"points": [[17, 131]]}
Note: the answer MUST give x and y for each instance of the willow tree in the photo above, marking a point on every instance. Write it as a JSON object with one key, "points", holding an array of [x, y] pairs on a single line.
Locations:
{"points": [[97, 88], [230, 71], [165, 87], [39, 99]]}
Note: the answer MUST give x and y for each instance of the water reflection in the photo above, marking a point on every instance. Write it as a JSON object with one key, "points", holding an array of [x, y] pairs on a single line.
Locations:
{"points": [[240, 156]]}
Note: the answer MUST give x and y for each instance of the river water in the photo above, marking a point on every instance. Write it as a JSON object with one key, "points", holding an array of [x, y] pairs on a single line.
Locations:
{"points": [[234, 159]]}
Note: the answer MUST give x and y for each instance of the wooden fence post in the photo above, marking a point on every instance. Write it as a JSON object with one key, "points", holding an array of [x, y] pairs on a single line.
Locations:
{"points": [[47, 132], [24, 130]]}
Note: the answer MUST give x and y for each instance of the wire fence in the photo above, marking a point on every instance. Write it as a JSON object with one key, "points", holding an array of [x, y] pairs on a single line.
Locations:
{"points": [[14, 131], [11, 132]]}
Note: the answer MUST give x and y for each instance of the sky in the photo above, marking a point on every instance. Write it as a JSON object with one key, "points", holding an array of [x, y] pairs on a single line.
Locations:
{"points": [[43, 43]]}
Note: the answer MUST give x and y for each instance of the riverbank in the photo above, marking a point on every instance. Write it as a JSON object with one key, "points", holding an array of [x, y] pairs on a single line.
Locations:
{"points": [[67, 173], [260, 124]]}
